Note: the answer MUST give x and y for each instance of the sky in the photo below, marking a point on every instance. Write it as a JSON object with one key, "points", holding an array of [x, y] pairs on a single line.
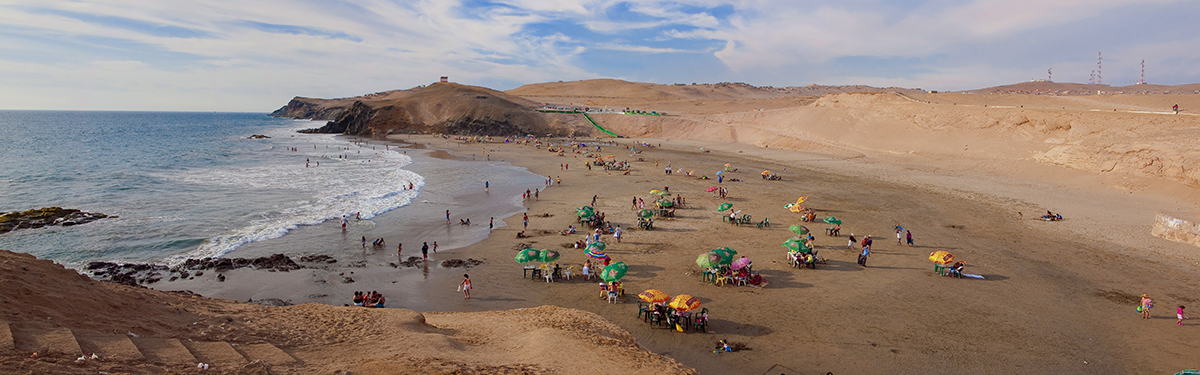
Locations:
{"points": [[254, 56]]}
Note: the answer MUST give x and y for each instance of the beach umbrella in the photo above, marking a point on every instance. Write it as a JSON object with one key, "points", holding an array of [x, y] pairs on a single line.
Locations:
{"points": [[720, 172], [790, 205], [766, 173], [654, 296], [941, 257], [724, 206], [725, 249], [599, 245], [645, 213], [614, 272], [665, 203], [548, 255], [684, 302], [709, 260], [528, 255], [798, 229], [801, 199], [726, 256], [585, 211], [833, 220], [740, 263], [597, 253], [710, 189], [795, 245], [796, 208], [655, 192]]}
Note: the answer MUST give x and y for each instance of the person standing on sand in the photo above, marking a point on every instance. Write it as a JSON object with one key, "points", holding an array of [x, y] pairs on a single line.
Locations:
{"points": [[899, 235], [908, 235], [1176, 108], [364, 242], [435, 247], [486, 186], [466, 286], [535, 194], [491, 223], [425, 251], [594, 200], [850, 245], [617, 233], [447, 216], [399, 249], [862, 258], [344, 220], [1145, 306]]}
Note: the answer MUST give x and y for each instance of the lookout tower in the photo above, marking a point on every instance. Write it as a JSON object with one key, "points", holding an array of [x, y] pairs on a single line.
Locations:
{"points": [[445, 79]]}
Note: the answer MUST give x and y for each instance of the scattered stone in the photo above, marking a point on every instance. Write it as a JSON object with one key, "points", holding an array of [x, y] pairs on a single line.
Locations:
{"points": [[199, 273], [41, 217], [347, 280], [412, 262], [318, 259], [271, 302], [456, 263], [221, 278]]}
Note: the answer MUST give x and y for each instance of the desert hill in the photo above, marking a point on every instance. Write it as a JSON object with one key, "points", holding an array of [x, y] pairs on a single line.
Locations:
{"points": [[1070, 88], [446, 108], [61, 315]]}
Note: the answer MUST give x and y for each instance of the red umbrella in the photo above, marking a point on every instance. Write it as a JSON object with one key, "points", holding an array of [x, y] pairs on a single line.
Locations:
{"points": [[711, 189]]}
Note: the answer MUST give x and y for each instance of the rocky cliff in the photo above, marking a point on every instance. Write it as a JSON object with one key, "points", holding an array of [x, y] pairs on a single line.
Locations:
{"points": [[446, 108]]}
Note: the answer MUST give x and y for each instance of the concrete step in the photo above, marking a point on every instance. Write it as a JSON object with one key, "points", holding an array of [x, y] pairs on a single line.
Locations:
{"points": [[167, 351], [219, 354], [268, 353], [111, 347], [57, 341], [6, 337]]}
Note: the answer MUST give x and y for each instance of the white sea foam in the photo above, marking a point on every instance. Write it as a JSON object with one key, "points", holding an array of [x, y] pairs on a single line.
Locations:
{"points": [[365, 182]]}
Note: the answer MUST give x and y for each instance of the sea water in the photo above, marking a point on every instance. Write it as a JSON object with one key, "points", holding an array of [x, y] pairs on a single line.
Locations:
{"points": [[191, 185]]}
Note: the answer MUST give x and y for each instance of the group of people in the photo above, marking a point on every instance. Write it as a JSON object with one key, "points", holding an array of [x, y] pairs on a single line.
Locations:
{"points": [[378, 243], [1146, 304], [369, 299]]}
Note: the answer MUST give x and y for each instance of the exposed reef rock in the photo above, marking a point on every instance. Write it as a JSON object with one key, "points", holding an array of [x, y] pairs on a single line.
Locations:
{"points": [[41, 217], [135, 274]]}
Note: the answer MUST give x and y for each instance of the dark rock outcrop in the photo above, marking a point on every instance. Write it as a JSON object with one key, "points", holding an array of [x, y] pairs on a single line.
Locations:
{"points": [[454, 263], [143, 273], [41, 217]]}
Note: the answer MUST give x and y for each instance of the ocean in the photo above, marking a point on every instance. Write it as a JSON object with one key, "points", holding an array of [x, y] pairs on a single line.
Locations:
{"points": [[194, 185]]}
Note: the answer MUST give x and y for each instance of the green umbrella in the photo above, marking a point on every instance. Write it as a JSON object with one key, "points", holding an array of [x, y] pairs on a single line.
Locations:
{"points": [[598, 245], [645, 213], [725, 258], [708, 260], [794, 245], [528, 255], [665, 203], [724, 206], [585, 211], [833, 220], [798, 229], [725, 252], [614, 272], [547, 255]]}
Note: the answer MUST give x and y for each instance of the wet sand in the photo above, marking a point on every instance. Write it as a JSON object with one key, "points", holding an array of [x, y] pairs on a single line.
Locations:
{"points": [[1056, 298]]}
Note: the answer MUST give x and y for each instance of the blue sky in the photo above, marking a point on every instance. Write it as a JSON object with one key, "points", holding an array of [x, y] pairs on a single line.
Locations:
{"points": [[255, 55]]}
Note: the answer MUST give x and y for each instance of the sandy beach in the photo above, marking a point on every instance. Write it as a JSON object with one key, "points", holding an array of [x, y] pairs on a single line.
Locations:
{"points": [[1057, 296]]}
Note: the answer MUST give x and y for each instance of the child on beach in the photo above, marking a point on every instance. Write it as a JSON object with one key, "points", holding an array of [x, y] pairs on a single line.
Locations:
{"points": [[1145, 306], [1179, 315], [466, 286]]}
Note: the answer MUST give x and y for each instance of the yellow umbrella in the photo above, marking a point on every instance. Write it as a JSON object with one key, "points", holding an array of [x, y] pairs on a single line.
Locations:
{"points": [[654, 296], [801, 199], [766, 173], [609, 156], [941, 257], [796, 208], [655, 192], [684, 302]]}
